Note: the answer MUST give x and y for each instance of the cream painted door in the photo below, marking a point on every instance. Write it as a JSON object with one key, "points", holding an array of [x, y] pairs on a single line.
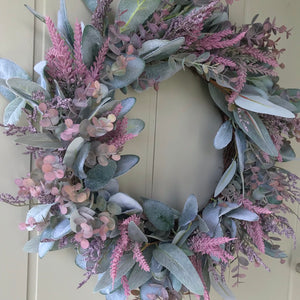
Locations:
{"points": [[163, 173]]}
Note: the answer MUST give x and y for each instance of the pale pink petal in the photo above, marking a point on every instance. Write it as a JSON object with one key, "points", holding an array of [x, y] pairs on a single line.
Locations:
{"points": [[84, 244]]}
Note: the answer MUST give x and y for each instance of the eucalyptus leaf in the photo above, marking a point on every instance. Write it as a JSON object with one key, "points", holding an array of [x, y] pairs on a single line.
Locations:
{"points": [[32, 246], [223, 136], [39, 213], [159, 214], [220, 287], [99, 176], [92, 42], [126, 163], [136, 234], [72, 151], [135, 12], [135, 67], [128, 204], [275, 253], [45, 246], [25, 88], [158, 49], [226, 178], [40, 140], [226, 207], [190, 211], [252, 126], [78, 165], [256, 103], [90, 4], [127, 105], [63, 24], [13, 111], [174, 259], [135, 126], [125, 265], [61, 229], [9, 69]]}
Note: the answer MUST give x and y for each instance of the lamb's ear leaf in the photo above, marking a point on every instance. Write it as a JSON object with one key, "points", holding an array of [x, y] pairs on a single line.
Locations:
{"points": [[63, 24], [177, 262], [226, 178], [9, 69], [252, 125], [90, 4], [92, 42], [13, 111]]}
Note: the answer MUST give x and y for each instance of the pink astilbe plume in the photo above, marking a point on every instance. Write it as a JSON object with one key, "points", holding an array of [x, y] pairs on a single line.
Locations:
{"points": [[256, 209], [206, 245], [122, 245], [241, 80], [59, 58], [214, 41], [256, 233], [139, 257], [260, 55], [98, 17], [224, 61], [125, 285], [99, 63], [80, 68]]}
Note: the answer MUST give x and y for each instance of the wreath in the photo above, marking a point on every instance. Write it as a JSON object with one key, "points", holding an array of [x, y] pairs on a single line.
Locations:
{"points": [[76, 131]]}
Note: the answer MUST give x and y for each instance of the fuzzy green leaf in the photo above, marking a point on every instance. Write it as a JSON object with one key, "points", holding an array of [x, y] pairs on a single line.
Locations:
{"points": [[25, 88], [175, 260], [223, 136], [219, 99], [136, 234], [90, 4], [72, 151], [159, 214], [9, 69], [92, 42], [135, 12], [190, 211], [32, 246], [159, 49], [78, 165], [135, 126], [13, 111], [40, 140], [226, 178], [256, 103], [128, 204], [61, 229], [287, 152], [253, 126], [241, 144], [134, 69], [63, 24], [99, 176], [126, 163], [45, 247]]}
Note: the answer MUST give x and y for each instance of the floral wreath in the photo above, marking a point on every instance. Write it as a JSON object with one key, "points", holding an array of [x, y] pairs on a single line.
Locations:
{"points": [[76, 131]]}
